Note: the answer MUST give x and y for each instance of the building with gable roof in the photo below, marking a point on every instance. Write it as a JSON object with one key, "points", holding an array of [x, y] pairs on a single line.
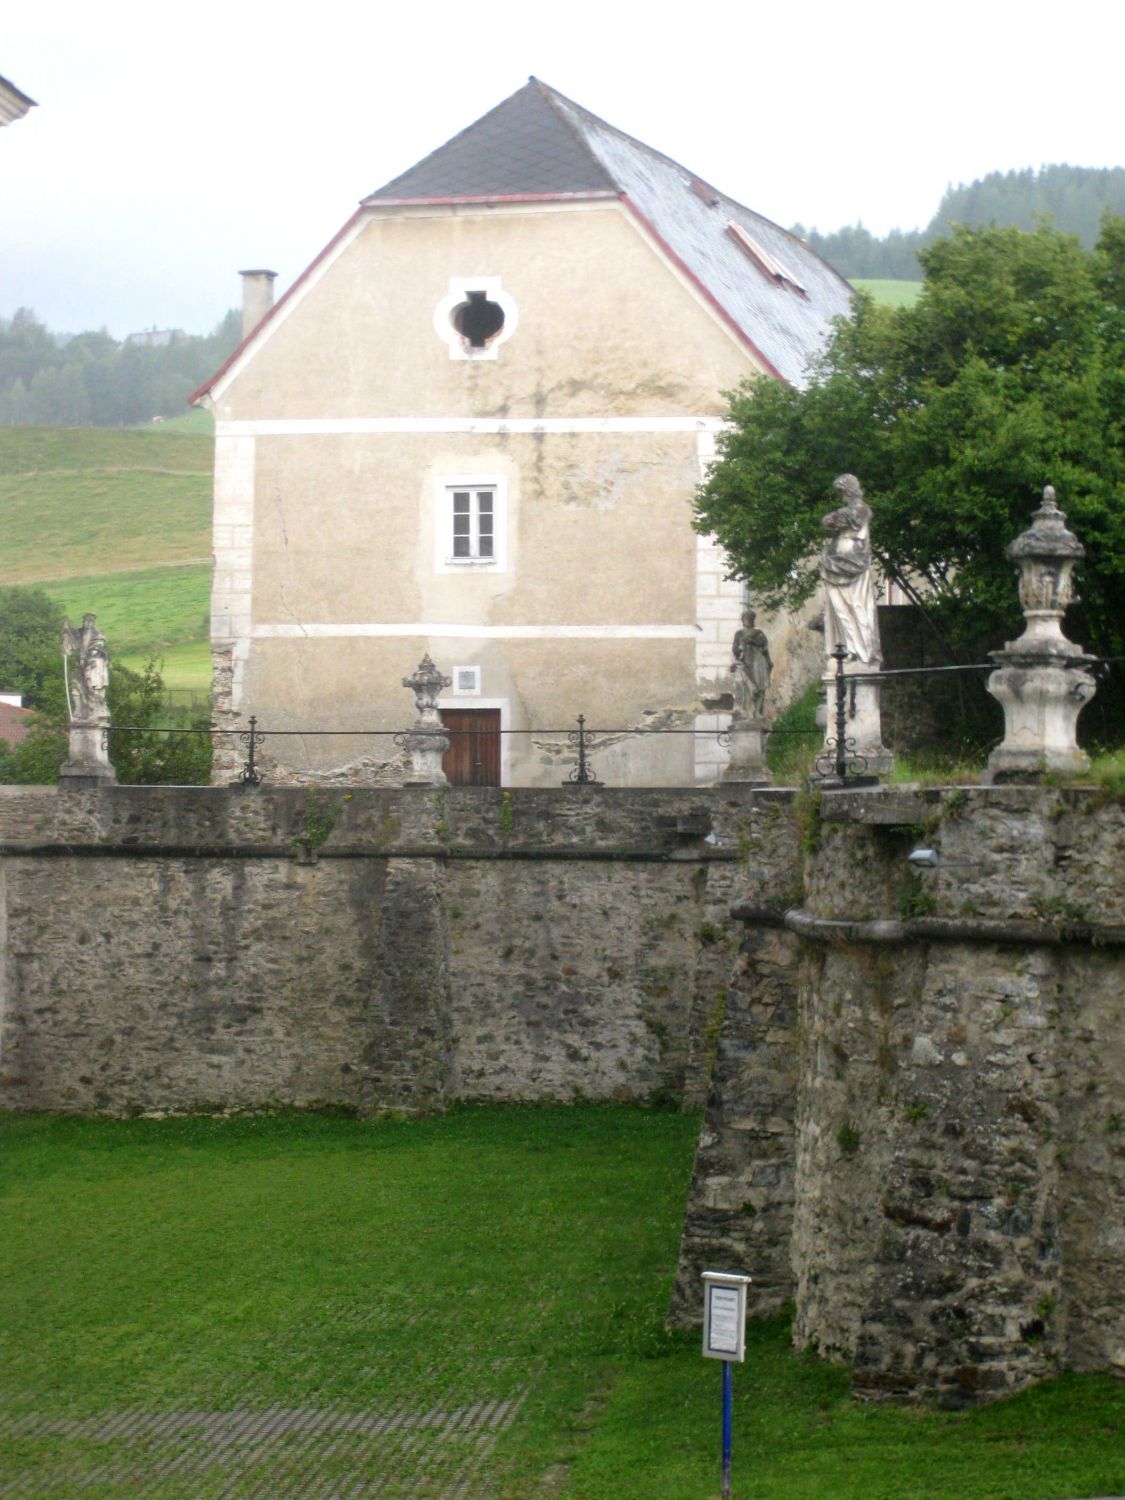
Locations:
{"points": [[473, 428]]}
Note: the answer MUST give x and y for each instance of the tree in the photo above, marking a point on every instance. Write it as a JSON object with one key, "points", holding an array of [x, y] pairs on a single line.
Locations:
{"points": [[1007, 374], [142, 755], [31, 647]]}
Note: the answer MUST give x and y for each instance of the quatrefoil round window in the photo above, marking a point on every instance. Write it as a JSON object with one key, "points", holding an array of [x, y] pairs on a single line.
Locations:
{"points": [[475, 317]]}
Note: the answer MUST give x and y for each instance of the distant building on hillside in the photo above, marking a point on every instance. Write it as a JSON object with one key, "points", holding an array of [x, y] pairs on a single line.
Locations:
{"points": [[13, 103], [156, 338], [473, 428]]}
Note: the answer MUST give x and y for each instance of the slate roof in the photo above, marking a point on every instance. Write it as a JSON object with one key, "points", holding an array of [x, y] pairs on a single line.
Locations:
{"points": [[539, 144], [14, 104]]}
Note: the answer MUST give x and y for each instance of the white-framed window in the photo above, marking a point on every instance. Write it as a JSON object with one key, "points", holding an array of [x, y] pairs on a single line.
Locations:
{"points": [[471, 524], [474, 523], [466, 682], [475, 317]]}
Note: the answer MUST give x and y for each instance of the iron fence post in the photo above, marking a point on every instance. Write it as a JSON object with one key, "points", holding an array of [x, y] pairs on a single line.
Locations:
{"points": [[250, 775], [840, 656]]}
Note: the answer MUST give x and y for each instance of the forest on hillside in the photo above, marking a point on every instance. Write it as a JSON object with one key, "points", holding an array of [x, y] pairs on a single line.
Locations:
{"points": [[1072, 199], [91, 379]]}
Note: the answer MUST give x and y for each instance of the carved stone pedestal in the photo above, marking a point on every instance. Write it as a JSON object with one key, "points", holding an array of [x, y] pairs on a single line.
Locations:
{"points": [[87, 764], [1041, 703], [748, 752], [865, 752]]}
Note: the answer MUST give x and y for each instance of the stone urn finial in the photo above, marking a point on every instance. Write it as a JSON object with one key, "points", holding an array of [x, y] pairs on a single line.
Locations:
{"points": [[427, 742], [426, 683], [1041, 681], [1045, 556]]}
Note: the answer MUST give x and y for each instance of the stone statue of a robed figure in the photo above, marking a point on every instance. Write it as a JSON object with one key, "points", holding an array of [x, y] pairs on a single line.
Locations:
{"points": [[751, 667], [86, 670], [851, 621]]}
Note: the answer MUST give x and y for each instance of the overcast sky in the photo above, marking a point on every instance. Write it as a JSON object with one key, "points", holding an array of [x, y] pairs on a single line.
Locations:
{"points": [[173, 145]]}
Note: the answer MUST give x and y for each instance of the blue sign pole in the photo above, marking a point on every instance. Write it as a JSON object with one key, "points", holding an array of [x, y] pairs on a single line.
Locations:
{"points": [[727, 1415], [724, 1337]]}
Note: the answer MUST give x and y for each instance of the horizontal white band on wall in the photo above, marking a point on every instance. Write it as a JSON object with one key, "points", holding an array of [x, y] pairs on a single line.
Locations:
{"points": [[483, 632], [486, 426]]}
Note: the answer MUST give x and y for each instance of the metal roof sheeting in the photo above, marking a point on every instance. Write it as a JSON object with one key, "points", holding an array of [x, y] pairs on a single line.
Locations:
{"points": [[788, 328]]}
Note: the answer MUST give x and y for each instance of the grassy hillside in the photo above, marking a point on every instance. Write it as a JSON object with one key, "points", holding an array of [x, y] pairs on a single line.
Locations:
{"points": [[149, 608], [81, 501], [891, 293], [117, 521]]}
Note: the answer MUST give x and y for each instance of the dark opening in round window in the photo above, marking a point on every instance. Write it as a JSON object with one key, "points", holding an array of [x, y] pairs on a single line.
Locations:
{"points": [[478, 320]]}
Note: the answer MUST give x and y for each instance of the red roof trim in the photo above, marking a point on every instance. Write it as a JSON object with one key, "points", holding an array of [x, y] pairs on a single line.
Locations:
{"points": [[205, 388], [376, 202], [704, 292]]}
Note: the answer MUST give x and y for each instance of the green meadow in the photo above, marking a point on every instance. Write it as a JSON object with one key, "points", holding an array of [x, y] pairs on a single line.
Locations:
{"points": [[311, 1306], [891, 293], [118, 522]]}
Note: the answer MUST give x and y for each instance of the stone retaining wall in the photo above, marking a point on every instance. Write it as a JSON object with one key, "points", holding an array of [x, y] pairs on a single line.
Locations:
{"points": [[955, 1196], [213, 947], [912, 1077]]}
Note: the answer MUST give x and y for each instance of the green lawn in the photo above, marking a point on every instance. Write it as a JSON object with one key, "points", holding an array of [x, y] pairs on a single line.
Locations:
{"points": [[893, 293], [309, 1306], [149, 609], [186, 670]]}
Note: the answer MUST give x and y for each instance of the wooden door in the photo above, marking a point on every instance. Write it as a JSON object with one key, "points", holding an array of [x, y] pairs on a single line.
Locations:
{"points": [[473, 757]]}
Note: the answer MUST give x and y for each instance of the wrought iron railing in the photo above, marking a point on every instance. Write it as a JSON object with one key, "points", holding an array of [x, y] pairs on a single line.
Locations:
{"points": [[839, 762]]}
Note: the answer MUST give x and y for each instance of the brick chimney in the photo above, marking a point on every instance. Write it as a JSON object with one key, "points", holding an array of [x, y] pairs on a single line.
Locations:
{"points": [[257, 297]]}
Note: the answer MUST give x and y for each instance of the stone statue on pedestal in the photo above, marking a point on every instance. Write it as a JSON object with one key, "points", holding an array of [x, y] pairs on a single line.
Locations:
{"points": [[751, 669], [851, 621], [850, 610], [87, 683], [750, 673]]}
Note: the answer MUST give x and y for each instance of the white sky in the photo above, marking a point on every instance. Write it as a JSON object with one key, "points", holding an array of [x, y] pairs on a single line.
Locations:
{"points": [[173, 145]]}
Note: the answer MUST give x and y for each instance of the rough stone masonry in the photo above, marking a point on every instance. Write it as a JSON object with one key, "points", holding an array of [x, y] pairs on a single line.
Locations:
{"points": [[175, 949], [915, 1121], [913, 1075]]}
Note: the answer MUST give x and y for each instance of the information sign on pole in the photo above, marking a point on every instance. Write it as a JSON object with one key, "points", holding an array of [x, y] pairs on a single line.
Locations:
{"points": [[724, 1337], [724, 1315]]}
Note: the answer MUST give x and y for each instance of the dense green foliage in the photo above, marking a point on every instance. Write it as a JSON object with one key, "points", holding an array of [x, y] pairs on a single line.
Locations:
{"points": [[31, 663], [55, 380], [30, 633], [1006, 375], [1074, 199], [398, 1267]]}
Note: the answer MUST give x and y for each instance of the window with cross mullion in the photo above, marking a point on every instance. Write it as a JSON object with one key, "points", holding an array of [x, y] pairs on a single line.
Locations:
{"points": [[473, 532]]}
